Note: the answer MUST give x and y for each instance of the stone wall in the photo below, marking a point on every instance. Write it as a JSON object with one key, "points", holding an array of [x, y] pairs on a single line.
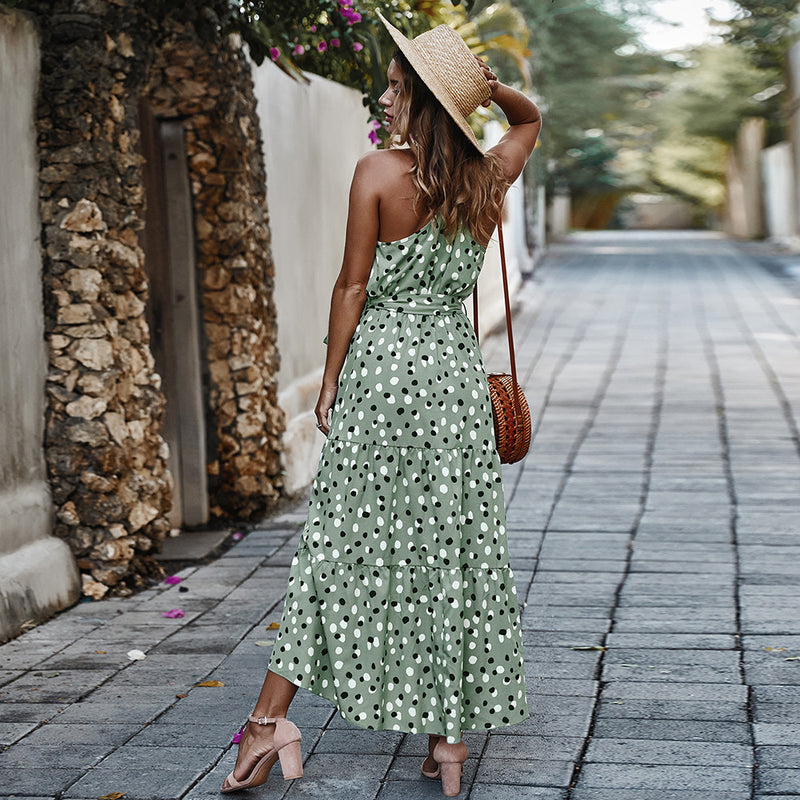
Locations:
{"points": [[107, 462]]}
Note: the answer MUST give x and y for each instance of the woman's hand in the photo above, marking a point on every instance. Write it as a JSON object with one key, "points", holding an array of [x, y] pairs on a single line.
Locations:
{"points": [[327, 397], [491, 79]]}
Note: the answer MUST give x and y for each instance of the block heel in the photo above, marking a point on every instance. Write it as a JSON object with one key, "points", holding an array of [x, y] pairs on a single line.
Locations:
{"points": [[285, 746], [291, 760], [449, 760], [451, 778]]}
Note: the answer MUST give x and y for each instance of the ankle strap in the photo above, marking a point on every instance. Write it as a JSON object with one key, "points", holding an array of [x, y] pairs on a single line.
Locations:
{"points": [[262, 720]]}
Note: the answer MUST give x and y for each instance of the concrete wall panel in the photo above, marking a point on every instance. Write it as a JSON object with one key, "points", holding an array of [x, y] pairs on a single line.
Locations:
{"points": [[37, 571], [779, 190]]}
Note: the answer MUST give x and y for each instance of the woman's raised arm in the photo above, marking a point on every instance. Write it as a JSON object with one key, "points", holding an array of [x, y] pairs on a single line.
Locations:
{"points": [[525, 122]]}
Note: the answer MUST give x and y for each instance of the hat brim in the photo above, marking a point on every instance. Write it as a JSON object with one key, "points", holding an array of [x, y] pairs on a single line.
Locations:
{"points": [[429, 77]]}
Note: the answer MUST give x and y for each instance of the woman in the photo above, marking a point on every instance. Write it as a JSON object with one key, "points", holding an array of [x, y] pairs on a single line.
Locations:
{"points": [[401, 607]]}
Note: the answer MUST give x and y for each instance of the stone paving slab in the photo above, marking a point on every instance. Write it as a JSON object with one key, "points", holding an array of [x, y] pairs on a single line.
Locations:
{"points": [[663, 777], [662, 730], [656, 794], [37, 780], [125, 771], [671, 751], [783, 781], [654, 531]]}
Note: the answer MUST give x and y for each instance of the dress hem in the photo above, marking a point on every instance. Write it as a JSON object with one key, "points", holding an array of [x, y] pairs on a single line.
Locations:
{"points": [[331, 697]]}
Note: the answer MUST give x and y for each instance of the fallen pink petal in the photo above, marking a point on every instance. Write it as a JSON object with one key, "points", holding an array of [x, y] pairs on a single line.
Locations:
{"points": [[173, 613], [237, 537], [172, 580]]}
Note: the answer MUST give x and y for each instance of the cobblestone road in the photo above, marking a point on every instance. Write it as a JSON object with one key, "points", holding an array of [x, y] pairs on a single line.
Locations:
{"points": [[654, 535]]}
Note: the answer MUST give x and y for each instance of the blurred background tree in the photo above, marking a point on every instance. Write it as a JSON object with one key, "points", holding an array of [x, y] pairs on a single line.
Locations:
{"points": [[762, 30], [589, 70], [682, 130]]}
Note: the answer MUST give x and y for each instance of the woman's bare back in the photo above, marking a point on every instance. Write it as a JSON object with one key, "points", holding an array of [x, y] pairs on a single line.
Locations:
{"points": [[397, 216]]}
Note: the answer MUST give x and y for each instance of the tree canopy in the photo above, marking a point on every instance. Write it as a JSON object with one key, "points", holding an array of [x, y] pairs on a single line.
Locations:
{"points": [[589, 70]]}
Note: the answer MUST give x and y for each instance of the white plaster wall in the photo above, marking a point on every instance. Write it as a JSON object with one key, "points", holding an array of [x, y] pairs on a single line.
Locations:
{"points": [[313, 136], [491, 303], [541, 222], [779, 187], [793, 106], [560, 212], [37, 572]]}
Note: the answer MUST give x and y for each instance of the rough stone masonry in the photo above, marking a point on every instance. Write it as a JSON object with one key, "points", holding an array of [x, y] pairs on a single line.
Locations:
{"points": [[107, 462]]}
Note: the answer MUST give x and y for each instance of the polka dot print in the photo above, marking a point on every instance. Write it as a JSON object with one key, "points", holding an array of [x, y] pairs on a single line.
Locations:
{"points": [[401, 607]]}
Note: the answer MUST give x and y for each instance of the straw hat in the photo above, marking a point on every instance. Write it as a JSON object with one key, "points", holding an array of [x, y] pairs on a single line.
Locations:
{"points": [[446, 66]]}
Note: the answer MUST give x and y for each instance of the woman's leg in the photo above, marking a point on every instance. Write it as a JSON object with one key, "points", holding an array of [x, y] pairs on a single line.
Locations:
{"points": [[275, 696], [273, 701]]}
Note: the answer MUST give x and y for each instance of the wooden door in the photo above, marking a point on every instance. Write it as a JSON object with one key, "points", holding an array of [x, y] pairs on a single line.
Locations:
{"points": [[173, 313]]}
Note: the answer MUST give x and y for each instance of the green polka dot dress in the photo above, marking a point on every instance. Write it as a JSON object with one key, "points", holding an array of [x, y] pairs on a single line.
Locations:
{"points": [[401, 607]]}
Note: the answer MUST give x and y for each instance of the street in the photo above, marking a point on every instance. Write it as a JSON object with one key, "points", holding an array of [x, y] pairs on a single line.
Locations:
{"points": [[653, 531]]}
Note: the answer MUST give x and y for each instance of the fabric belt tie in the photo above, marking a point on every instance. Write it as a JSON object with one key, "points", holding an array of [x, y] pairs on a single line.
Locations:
{"points": [[422, 305]]}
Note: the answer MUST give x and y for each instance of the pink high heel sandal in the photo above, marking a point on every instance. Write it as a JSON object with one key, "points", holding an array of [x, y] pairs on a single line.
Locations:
{"points": [[285, 746], [449, 760]]}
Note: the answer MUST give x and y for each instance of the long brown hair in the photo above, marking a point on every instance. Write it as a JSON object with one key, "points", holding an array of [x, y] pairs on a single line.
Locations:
{"points": [[451, 177]]}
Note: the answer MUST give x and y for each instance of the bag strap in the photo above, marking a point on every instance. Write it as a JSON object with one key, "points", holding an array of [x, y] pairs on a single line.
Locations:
{"points": [[512, 358]]}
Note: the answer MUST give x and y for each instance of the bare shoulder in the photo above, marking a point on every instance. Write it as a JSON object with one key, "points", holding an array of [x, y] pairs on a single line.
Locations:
{"points": [[385, 163]]}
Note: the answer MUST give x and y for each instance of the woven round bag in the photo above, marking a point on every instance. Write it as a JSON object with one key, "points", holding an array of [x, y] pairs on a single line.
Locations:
{"points": [[512, 425]]}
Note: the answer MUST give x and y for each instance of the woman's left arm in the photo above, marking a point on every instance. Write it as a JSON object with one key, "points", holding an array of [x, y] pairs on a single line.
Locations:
{"points": [[350, 289]]}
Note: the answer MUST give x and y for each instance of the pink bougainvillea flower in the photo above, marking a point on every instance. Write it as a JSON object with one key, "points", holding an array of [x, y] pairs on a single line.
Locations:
{"points": [[351, 16], [335, 42], [238, 536], [373, 137], [298, 50], [358, 47], [172, 580], [322, 46], [376, 123], [174, 613], [274, 53], [345, 3], [313, 29]]}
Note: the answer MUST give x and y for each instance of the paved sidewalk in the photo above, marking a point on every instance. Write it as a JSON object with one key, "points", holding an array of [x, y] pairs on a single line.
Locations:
{"points": [[654, 535]]}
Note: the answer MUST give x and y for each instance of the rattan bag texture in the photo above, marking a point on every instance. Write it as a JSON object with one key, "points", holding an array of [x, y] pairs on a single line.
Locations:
{"points": [[512, 424], [512, 417]]}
